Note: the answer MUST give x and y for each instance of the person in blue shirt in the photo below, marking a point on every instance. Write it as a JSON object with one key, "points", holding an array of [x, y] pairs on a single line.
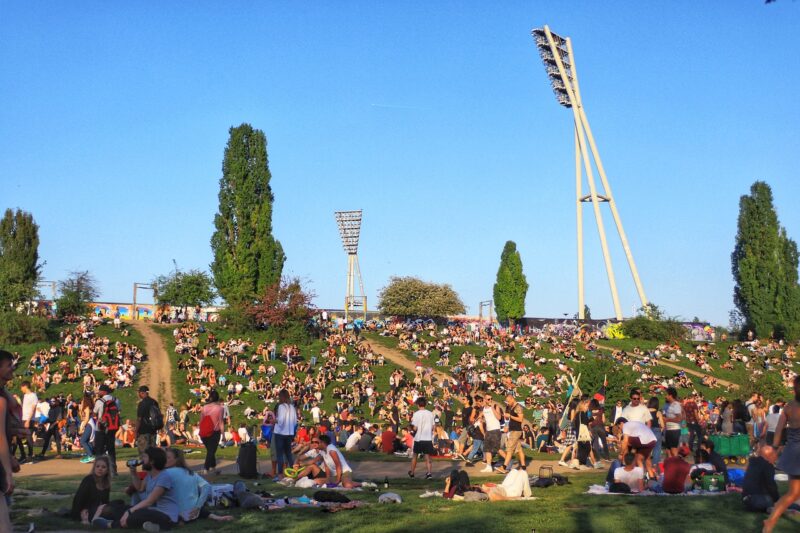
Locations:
{"points": [[159, 509], [192, 490]]}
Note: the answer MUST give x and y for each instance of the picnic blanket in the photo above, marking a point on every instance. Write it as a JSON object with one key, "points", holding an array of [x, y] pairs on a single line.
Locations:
{"points": [[603, 490]]}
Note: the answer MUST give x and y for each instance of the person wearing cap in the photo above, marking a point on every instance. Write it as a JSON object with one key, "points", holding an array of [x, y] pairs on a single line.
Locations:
{"points": [[104, 437], [145, 432]]}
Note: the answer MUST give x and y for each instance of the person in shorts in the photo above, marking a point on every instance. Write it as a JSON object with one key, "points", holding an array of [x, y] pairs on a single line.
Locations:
{"points": [[639, 439], [423, 422], [673, 416]]}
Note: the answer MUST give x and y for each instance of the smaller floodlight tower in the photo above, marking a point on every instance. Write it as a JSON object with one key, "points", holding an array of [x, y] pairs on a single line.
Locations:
{"points": [[349, 223], [559, 63]]}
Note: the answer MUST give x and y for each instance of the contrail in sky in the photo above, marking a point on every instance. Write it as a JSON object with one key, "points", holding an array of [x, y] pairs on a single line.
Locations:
{"points": [[393, 106]]}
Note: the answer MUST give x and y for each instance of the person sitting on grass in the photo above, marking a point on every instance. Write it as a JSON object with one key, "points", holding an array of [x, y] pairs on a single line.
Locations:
{"points": [[676, 478], [93, 492], [158, 506], [339, 472], [627, 475], [191, 489]]}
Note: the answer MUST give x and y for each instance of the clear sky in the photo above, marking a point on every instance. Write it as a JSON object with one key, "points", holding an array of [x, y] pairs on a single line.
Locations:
{"points": [[435, 118]]}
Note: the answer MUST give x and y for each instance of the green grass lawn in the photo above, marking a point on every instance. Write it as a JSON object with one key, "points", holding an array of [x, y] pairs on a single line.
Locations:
{"points": [[556, 509], [328, 404], [127, 396]]}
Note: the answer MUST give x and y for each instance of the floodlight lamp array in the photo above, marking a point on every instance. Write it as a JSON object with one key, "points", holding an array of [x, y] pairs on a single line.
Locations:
{"points": [[557, 82], [349, 223]]}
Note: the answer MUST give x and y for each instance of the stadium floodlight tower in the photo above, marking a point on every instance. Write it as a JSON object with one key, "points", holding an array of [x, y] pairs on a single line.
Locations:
{"points": [[349, 223], [559, 62]]}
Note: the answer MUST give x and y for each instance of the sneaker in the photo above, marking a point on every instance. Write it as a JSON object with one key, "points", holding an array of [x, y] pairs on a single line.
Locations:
{"points": [[487, 469], [151, 527], [562, 463], [501, 470], [88, 459], [428, 476], [101, 523], [411, 474]]}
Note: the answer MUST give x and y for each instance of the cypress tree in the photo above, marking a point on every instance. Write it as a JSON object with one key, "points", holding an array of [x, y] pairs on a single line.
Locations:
{"points": [[247, 258], [511, 286], [764, 264], [19, 258]]}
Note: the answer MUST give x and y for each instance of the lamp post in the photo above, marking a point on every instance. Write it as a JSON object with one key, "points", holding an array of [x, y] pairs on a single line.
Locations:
{"points": [[349, 223], [559, 63]]}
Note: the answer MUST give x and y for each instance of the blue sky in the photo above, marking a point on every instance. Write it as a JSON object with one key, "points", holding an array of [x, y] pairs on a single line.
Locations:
{"points": [[435, 118]]}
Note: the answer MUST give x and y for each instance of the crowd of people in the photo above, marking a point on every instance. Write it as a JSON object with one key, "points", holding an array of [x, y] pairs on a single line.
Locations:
{"points": [[504, 391]]}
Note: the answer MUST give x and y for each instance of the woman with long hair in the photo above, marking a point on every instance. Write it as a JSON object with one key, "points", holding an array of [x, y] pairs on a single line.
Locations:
{"points": [[657, 426], [93, 492], [212, 424], [87, 427], [789, 461], [283, 433]]}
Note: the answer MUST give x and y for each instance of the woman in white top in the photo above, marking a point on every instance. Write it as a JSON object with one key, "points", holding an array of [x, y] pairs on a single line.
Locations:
{"points": [[338, 470], [283, 433]]}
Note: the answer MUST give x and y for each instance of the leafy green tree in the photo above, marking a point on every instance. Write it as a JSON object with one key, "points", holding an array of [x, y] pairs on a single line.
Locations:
{"points": [[184, 289], [19, 258], [247, 258], [764, 265], [511, 286], [619, 378], [409, 296], [77, 292]]}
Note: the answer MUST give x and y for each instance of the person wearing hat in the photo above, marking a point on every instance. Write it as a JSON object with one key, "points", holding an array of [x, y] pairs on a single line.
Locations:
{"points": [[145, 430], [676, 472]]}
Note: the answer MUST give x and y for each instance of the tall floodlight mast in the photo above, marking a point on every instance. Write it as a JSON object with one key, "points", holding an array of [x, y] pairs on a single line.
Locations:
{"points": [[559, 63], [349, 223]]}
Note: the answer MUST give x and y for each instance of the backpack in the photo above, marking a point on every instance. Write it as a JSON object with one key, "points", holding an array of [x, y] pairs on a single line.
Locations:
{"points": [[154, 417], [110, 414], [206, 427]]}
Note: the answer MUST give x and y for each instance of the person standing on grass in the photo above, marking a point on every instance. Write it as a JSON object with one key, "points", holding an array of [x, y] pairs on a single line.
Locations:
{"points": [[145, 432], [211, 427], [673, 416], [423, 422], [789, 461], [284, 431], [7, 464], [491, 415], [514, 438], [29, 401], [106, 410]]}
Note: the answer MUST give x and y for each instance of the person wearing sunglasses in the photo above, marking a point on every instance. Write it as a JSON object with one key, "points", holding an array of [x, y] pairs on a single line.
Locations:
{"points": [[637, 411]]}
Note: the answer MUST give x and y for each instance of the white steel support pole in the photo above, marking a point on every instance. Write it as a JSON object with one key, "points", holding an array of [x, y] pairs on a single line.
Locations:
{"points": [[579, 220], [603, 178], [361, 285], [613, 205], [589, 174]]}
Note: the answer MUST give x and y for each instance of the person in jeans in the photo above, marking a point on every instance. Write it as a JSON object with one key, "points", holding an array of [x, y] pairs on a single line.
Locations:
{"points": [[145, 432], [214, 411], [158, 506], [691, 414], [283, 433]]}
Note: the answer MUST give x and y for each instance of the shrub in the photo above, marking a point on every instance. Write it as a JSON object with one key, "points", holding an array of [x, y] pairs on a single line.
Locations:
{"points": [[16, 328], [642, 327]]}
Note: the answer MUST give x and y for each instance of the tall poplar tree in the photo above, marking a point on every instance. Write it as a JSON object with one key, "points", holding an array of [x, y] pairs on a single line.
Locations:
{"points": [[511, 286], [247, 258], [764, 264], [19, 258]]}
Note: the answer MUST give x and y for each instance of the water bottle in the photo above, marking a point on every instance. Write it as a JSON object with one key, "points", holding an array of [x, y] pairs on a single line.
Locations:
{"points": [[386, 482], [713, 487]]}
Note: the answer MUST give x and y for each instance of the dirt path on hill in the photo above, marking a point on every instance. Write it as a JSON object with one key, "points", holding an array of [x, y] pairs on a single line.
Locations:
{"points": [[400, 359], [697, 373], [157, 372]]}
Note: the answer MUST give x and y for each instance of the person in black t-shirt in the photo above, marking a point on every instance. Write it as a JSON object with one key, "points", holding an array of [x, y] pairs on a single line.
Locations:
{"points": [[760, 492], [145, 432]]}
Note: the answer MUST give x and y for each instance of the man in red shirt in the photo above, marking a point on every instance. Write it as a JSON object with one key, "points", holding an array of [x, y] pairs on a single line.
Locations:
{"points": [[692, 416], [387, 439], [676, 473]]}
